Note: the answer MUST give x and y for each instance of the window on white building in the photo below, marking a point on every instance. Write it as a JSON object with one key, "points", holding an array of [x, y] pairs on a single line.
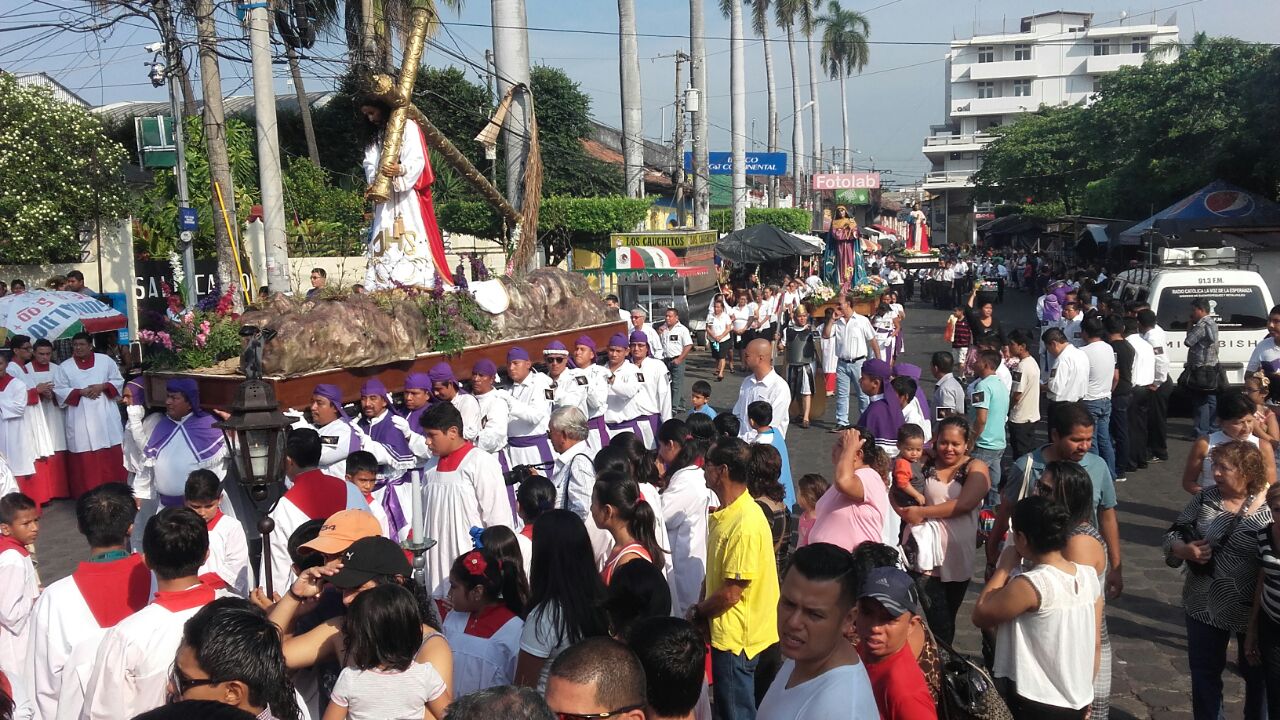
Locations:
{"points": [[1022, 88], [986, 89], [1106, 46], [1140, 45], [986, 53], [1021, 52]]}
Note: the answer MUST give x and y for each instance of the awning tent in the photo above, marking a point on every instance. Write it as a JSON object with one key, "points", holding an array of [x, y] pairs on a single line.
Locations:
{"points": [[1216, 205], [763, 243]]}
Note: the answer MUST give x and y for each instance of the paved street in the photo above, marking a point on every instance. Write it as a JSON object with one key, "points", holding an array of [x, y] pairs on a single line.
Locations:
{"points": [[1150, 669]]}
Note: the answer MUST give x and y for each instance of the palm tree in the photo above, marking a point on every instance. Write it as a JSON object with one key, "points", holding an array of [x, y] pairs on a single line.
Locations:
{"points": [[844, 51], [808, 23], [786, 12], [760, 24], [370, 24], [632, 105], [737, 90]]}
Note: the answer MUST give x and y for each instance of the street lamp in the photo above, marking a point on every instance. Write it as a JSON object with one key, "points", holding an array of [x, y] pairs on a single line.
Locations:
{"points": [[255, 437]]}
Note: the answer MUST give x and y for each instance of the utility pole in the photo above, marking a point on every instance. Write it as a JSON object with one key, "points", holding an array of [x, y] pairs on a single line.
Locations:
{"points": [[632, 106], [698, 124], [678, 176], [511, 65], [264, 101], [184, 198], [493, 102], [738, 101]]}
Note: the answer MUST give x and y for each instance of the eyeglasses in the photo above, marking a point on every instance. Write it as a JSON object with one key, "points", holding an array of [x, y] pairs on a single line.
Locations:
{"points": [[556, 359], [597, 716], [183, 684]]}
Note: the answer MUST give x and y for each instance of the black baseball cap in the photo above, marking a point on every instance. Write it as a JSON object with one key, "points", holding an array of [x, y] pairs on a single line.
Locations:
{"points": [[368, 558], [892, 588]]}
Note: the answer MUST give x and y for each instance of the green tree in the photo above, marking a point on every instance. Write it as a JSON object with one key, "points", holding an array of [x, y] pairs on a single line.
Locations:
{"points": [[57, 169], [564, 120], [1039, 158], [845, 51]]}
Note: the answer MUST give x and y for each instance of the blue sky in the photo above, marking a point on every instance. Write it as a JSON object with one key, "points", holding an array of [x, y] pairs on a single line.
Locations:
{"points": [[891, 105]]}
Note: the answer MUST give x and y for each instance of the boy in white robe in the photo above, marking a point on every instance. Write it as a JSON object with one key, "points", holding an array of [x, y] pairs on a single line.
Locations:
{"points": [[19, 526], [362, 471], [16, 427], [653, 401], [74, 613], [32, 440], [463, 488], [87, 385], [132, 667], [227, 566], [40, 375]]}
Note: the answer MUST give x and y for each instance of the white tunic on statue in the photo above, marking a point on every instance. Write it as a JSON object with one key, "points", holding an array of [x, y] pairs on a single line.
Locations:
{"points": [[18, 592], [92, 424], [460, 493], [529, 405], [481, 663], [229, 555], [18, 423], [494, 419], [401, 262]]}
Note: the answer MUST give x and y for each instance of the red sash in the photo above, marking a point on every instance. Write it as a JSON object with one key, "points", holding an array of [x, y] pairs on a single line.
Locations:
{"points": [[213, 521], [452, 461], [318, 495], [180, 600], [214, 581], [8, 543], [113, 590], [488, 621]]}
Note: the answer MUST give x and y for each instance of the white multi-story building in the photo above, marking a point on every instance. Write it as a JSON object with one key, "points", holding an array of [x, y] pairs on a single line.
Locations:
{"points": [[1053, 59]]}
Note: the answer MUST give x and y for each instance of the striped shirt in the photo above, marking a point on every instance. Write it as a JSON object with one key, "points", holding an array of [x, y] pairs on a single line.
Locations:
{"points": [[1270, 574]]}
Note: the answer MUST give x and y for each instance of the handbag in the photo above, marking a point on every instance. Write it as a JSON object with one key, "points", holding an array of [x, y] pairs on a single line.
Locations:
{"points": [[1190, 532], [967, 692], [1203, 379]]}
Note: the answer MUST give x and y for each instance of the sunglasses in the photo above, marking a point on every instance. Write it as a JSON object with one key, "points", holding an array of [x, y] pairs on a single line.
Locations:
{"points": [[556, 359], [183, 684], [597, 716]]}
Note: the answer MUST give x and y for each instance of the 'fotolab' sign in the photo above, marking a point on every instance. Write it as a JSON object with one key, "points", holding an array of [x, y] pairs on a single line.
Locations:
{"points": [[721, 163], [846, 181]]}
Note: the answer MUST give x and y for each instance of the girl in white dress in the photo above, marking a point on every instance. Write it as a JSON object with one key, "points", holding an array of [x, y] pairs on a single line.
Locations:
{"points": [[486, 622]]}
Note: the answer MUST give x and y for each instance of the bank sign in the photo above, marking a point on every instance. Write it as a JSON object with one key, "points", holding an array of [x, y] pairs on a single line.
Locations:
{"points": [[847, 181], [721, 163]]}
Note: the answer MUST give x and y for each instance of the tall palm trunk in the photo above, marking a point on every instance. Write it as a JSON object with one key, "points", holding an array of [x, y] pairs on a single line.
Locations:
{"points": [[304, 108], [797, 124], [844, 118], [368, 34], [738, 91], [632, 105], [215, 137], [773, 113], [815, 120]]}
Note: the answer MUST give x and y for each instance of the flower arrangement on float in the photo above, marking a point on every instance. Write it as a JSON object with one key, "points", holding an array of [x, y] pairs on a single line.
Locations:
{"points": [[188, 338]]}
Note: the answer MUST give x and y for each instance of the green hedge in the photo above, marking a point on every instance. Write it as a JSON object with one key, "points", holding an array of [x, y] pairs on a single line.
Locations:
{"points": [[796, 220]]}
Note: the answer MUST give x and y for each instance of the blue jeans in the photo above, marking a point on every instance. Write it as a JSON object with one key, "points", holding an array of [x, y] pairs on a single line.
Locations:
{"points": [[1207, 656], [1205, 408], [992, 459], [1100, 411], [733, 685], [847, 376]]}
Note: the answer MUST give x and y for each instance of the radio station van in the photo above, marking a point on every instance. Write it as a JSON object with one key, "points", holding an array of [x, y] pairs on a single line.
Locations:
{"points": [[1239, 301]]}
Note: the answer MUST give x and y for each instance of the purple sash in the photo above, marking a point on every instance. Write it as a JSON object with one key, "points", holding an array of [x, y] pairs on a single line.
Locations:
{"points": [[168, 501], [391, 503], [598, 424], [632, 426]]}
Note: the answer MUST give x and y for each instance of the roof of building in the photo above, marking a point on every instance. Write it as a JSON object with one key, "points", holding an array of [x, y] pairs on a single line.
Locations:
{"points": [[233, 105], [60, 91], [1057, 12]]}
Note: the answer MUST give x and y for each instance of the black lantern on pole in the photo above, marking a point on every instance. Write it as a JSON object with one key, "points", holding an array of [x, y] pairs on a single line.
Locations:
{"points": [[255, 437]]}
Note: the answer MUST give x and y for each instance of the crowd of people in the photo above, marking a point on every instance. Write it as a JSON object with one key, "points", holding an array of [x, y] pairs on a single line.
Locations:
{"points": [[593, 549]]}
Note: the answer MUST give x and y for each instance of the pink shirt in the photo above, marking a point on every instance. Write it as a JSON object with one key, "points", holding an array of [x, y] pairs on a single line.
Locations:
{"points": [[847, 524]]}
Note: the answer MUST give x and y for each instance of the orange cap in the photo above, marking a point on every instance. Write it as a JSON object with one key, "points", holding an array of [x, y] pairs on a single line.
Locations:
{"points": [[342, 529]]}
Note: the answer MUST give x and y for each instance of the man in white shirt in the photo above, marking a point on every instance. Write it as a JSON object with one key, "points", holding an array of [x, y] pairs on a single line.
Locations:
{"points": [[822, 675], [1071, 319], [616, 306], [763, 384], [87, 385], [1068, 378], [569, 385], [652, 403], [584, 360], [574, 475], [676, 342], [1161, 387], [1103, 377], [529, 407], [1144, 383], [132, 667], [339, 437], [640, 322], [494, 413], [855, 339], [1024, 398]]}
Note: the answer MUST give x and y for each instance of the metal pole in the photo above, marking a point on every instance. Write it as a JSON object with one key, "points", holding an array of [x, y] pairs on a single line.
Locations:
{"points": [[493, 100], [184, 201], [264, 102], [679, 140], [511, 65]]}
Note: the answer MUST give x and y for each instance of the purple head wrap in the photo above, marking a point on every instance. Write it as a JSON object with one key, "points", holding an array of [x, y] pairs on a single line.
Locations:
{"points": [[555, 347], [913, 372], [417, 381], [187, 388], [333, 395], [138, 392], [618, 341], [639, 337], [517, 353], [485, 366], [442, 373], [877, 368], [373, 386], [587, 341]]}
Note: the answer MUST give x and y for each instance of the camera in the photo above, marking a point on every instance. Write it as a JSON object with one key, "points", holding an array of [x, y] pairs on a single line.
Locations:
{"points": [[520, 473]]}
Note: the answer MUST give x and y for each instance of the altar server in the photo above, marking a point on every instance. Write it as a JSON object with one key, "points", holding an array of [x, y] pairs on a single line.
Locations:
{"points": [[584, 359], [339, 437], [405, 452], [529, 404], [40, 372], [444, 387], [74, 613], [33, 440], [312, 495], [494, 413], [135, 659], [19, 526], [228, 563], [623, 386], [463, 489], [653, 402], [86, 385], [17, 443]]}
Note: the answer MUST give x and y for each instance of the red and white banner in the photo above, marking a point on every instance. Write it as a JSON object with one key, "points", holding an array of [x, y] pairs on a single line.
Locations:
{"points": [[847, 181]]}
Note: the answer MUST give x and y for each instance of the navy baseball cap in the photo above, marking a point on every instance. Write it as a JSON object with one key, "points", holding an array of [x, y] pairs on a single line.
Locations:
{"points": [[892, 588], [368, 558]]}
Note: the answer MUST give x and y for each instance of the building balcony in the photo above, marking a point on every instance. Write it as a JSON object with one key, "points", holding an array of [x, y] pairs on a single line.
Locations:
{"points": [[994, 106], [1002, 70], [1102, 64], [956, 143], [948, 179]]}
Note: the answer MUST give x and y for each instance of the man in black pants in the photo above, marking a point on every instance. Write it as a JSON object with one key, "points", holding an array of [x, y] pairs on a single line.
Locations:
{"points": [[1162, 387]]}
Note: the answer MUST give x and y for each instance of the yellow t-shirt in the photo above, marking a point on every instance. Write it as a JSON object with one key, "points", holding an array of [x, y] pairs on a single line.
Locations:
{"points": [[740, 547]]}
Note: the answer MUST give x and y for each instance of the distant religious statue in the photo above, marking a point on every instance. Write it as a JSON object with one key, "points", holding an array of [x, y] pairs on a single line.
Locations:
{"points": [[405, 244], [918, 231], [844, 234]]}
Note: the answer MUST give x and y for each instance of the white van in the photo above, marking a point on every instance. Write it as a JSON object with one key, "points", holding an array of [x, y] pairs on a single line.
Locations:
{"points": [[1239, 301]]}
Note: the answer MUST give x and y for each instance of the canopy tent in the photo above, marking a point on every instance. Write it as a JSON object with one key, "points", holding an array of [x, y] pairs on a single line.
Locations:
{"points": [[649, 260], [1216, 205], [763, 243], [816, 243], [55, 315]]}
